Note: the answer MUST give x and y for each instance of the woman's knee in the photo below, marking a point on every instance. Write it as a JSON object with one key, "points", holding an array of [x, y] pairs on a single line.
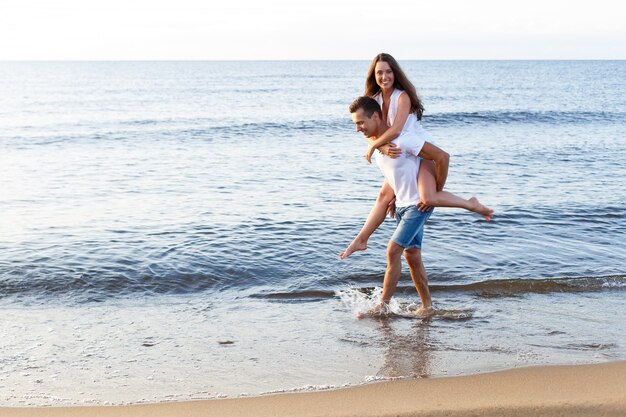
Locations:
{"points": [[428, 198], [385, 195], [427, 183]]}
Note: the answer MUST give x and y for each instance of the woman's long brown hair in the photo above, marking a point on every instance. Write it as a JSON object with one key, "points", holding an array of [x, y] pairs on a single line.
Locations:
{"points": [[401, 81]]}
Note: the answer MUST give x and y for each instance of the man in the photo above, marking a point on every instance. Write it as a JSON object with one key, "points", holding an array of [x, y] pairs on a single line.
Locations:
{"points": [[401, 174]]}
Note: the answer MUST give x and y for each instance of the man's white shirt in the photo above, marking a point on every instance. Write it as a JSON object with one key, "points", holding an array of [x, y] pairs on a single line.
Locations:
{"points": [[401, 173]]}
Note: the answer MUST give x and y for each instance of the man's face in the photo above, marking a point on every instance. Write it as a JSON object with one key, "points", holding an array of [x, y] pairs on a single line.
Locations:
{"points": [[366, 125]]}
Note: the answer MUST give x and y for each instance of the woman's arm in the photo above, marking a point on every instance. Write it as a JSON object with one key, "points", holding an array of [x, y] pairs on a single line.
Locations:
{"points": [[404, 109], [390, 149]]}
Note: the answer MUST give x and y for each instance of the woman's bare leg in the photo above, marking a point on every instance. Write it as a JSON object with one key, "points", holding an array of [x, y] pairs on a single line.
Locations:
{"points": [[429, 195], [374, 219]]}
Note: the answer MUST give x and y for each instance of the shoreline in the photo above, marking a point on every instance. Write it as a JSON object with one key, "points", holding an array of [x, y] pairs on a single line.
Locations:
{"points": [[572, 390]]}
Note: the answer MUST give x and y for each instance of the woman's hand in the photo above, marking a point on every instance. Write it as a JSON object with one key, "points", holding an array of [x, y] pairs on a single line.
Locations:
{"points": [[369, 153], [391, 208], [391, 150]]}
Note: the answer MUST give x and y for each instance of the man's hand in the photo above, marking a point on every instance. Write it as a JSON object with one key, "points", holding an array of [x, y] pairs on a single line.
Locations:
{"points": [[391, 150], [423, 207]]}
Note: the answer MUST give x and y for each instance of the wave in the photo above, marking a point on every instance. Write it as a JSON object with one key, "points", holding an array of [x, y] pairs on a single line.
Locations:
{"points": [[282, 129], [100, 285], [489, 288], [335, 126], [296, 259], [154, 129], [510, 287], [522, 117], [285, 128], [191, 129]]}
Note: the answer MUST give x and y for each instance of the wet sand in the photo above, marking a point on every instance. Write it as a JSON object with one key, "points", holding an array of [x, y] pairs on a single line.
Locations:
{"points": [[581, 390]]}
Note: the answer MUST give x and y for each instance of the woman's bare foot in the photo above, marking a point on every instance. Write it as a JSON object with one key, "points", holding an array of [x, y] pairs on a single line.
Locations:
{"points": [[484, 211], [356, 245]]}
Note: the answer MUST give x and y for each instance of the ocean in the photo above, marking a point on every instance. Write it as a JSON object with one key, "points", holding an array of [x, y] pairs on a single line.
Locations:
{"points": [[171, 230]]}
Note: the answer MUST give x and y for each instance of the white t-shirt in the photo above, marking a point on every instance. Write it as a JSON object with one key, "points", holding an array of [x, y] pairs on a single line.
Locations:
{"points": [[401, 173]]}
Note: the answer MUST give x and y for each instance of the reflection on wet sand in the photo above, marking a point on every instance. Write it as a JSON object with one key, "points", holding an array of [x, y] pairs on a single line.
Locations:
{"points": [[407, 354]]}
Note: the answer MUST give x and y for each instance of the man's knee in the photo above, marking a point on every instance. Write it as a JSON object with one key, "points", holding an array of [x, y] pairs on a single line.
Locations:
{"points": [[413, 257], [394, 251]]}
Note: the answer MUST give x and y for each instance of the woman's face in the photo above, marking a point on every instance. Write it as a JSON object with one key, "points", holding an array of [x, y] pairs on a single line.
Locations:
{"points": [[384, 75]]}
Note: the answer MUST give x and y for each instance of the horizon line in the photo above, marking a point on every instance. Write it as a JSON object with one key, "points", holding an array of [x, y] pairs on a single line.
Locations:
{"points": [[305, 60]]}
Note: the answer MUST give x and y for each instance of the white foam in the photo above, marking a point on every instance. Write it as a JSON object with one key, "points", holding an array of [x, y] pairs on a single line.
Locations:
{"points": [[378, 378], [369, 304], [613, 284], [305, 388]]}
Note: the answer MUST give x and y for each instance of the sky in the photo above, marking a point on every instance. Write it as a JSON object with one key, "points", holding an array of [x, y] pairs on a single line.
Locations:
{"points": [[303, 30]]}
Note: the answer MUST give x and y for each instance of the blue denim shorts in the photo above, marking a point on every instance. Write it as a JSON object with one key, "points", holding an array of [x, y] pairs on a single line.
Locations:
{"points": [[410, 227]]}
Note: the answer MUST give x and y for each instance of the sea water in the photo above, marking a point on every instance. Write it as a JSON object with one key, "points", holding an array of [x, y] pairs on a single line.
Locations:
{"points": [[170, 230]]}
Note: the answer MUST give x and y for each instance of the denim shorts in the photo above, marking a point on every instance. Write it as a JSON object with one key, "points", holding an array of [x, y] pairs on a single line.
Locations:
{"points": [[410, 227]]}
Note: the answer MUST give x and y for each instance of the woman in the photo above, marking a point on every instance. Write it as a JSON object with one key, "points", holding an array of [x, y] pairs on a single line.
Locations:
{"points": [[402, 111]]}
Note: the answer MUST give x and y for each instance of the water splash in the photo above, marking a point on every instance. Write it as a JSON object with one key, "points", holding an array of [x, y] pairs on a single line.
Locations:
{"points": [[367, 303]]}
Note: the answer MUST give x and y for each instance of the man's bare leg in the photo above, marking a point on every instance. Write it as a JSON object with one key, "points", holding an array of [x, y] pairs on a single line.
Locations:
{"points": [[420, 280], [392, 274], [390, 283], [429, 195], [374, 219]]}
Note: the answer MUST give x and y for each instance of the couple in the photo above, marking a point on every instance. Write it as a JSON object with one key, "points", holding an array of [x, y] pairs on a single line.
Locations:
{"points": [[389, 116]]}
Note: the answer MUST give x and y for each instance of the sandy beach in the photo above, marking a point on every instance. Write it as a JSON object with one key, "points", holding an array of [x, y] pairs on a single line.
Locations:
{"points": [[581, 390]]}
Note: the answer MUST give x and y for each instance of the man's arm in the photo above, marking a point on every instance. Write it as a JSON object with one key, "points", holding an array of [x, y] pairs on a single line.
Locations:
{"points": [[441, 160]]}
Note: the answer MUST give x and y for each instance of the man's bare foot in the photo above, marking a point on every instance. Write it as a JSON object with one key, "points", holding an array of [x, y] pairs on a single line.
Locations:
{"points": [[356, 245], [477, 207], [380, 310], [425, 312]]}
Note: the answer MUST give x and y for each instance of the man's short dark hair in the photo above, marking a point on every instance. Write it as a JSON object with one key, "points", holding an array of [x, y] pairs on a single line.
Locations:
{"points": [[368, 104]]}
